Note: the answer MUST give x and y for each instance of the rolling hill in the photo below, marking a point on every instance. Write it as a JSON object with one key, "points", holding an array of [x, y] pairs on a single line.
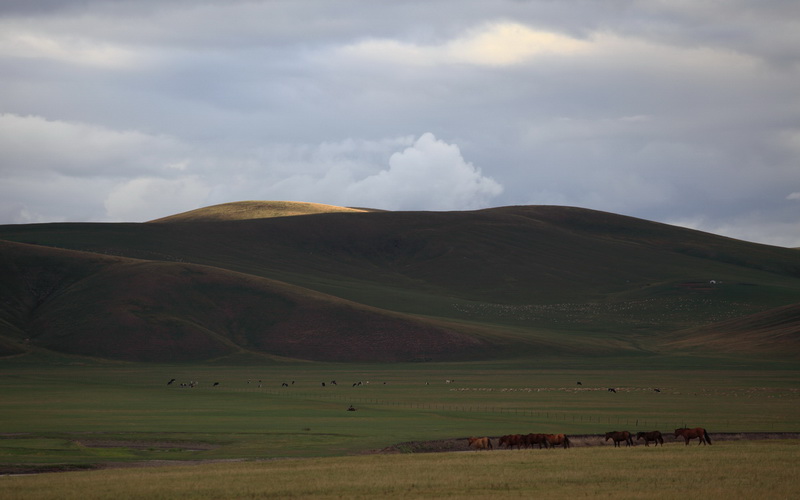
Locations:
{"points": [[337, 284]]}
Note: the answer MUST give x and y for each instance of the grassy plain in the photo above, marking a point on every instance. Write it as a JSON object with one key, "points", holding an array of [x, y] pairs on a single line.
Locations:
{"points": [[104, 412], [755, 469]]}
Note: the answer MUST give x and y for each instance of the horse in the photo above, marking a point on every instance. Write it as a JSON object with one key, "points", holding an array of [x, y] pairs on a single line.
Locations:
{"points": [[689, 434], [511, 440], [554, 440], [654, 436], [532, 439], [483, 443], [619, 436]]}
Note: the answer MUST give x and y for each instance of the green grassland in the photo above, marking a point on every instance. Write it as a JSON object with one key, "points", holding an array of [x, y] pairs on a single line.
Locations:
{"points": [[95, 412]]}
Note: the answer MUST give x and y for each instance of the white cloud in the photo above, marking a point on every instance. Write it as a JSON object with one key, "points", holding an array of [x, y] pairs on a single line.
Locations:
{"points": [[494, 44], [145, 199], [427, 175], [33, 143], [794, 196], [72, 49], [430, 175]]}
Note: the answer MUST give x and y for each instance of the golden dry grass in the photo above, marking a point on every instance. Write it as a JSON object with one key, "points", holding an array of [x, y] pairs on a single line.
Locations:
{"points": [[755, 469], [244, 210]]}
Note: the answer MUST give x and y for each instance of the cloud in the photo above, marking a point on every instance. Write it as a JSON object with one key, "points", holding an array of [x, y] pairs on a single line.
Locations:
{"points": [[430, 175], [794, 196], [33, 143], [150, 198], [648, 108], [71, 50], [495, 44]]}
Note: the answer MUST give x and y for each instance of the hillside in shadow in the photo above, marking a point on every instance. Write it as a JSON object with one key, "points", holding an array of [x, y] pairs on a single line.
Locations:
{"points": [[280, 279]]}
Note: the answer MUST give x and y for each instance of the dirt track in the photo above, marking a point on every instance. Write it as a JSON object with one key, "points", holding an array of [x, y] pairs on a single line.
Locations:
{"points": [[576, 440]]}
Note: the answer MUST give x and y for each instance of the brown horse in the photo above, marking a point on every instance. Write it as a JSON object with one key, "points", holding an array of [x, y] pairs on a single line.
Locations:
{"points": [[619, 436], [532, 439], [483, 443], [689, 434], [654, 436], [511, 441], [557, 440]]}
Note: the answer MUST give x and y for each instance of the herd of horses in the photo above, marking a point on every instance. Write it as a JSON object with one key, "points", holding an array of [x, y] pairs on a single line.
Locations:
{"points": [[686, 433], [509, 441], [520, 440]]}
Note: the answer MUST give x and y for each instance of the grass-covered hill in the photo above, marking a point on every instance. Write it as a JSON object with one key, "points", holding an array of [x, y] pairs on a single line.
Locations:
{"points": [[354, 284]]}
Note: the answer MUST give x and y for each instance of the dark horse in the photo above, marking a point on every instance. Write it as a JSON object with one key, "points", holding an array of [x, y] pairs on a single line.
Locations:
{"points": [[532, 439], [511, 441], [619, 436], [557, 440], [689, 434], [654, 436]]}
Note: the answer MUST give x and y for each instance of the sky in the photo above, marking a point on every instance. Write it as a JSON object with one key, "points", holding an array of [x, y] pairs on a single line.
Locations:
{"points": [[685, 112]]}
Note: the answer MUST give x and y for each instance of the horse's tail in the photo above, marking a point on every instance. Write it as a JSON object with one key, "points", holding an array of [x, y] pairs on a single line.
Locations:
{"points": [[705, 435], [488, 440]]}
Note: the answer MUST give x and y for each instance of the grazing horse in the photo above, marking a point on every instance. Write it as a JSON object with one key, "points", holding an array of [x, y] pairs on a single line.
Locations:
{"points": [[689, 434], [511, 440], [558, 440], [483, 443], [654, 436], [619, 436], [532, 439]]}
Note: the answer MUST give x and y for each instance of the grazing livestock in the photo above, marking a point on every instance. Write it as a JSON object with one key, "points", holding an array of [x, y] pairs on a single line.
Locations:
{"points": [[618, 436], [689, 434], [554, 440], [511, 440], [654, 436], [611, 389], [579, 383], [323, 384], [351, 408], [170, 382], [657, 389], [482, 443], [532, 439], [215, 384]]}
